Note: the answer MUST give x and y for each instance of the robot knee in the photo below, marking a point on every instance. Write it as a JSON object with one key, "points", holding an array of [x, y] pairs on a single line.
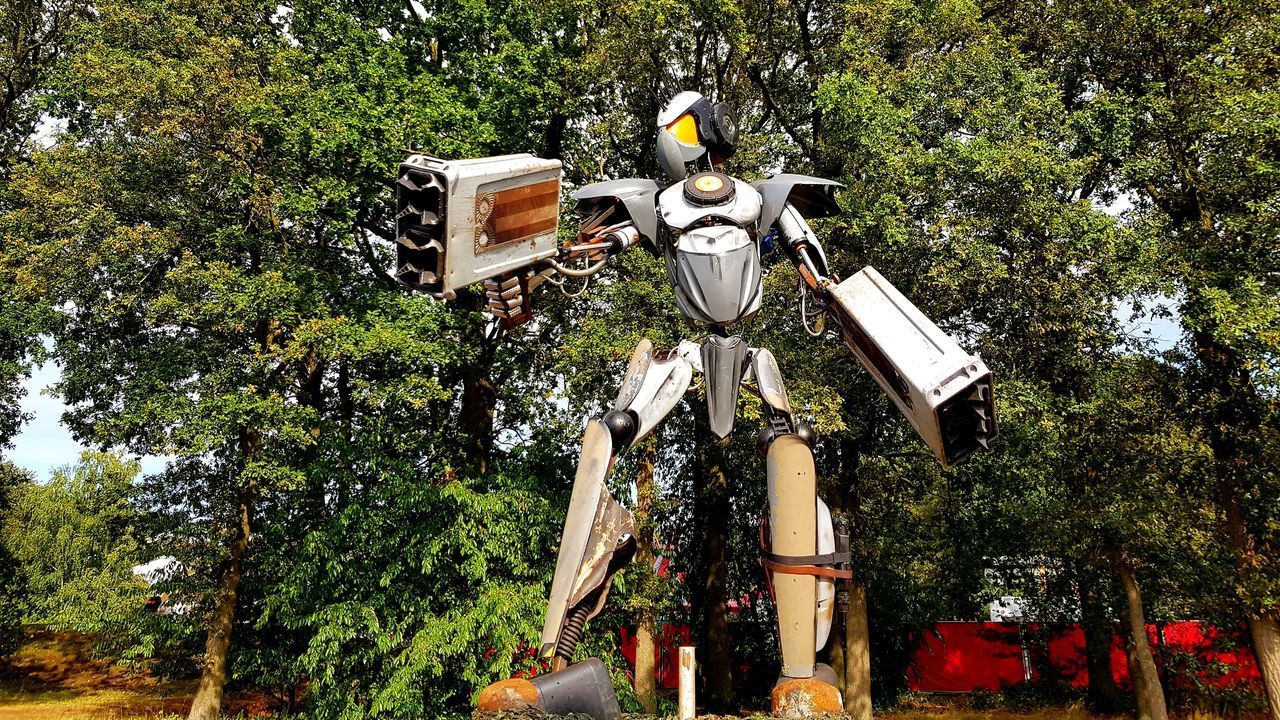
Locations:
{"points": [[774, 430], [622, 426]]}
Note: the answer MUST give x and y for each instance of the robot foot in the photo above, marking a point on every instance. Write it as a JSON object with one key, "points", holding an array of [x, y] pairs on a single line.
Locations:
{"points": [[804, 697], [582, 689]]}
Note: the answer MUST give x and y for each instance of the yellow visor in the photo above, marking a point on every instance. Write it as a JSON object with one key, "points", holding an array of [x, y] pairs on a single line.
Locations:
{"points": [[685, 128]]}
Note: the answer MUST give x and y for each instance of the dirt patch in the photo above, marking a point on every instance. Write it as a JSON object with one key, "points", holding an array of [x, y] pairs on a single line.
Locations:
{"points": [[65, 661], [55, 676]]}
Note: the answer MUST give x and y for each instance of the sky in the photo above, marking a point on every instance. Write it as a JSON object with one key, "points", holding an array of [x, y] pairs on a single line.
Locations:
{"points": [[45, 444]]}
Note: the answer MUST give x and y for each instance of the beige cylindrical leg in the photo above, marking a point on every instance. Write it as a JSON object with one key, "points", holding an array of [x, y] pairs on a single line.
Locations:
{"points": [[688, 673], [792, 520]]}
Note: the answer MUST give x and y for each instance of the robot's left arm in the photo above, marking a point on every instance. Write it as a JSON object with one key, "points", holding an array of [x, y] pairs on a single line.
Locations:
{"points": [[805, 251], [944, 391]]}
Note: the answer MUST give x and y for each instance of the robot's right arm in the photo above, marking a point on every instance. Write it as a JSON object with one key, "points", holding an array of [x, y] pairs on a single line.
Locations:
{"points": [[496, 220]]}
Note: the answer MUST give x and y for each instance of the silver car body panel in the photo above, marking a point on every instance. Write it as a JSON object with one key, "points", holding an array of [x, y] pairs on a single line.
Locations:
{"points": [[715, 273]]}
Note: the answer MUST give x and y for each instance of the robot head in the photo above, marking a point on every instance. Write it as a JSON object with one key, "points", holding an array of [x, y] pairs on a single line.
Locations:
{"points": [[691, 126]]}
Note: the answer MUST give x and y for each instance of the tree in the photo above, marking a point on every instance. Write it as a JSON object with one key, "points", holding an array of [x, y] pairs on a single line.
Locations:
{"points": [[225, 270], [34, 35], [230, 306], [12, 585], [1183, 118], [74, 542]]}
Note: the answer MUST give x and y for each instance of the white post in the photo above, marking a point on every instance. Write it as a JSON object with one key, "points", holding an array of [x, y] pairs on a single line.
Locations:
{"points": [[687, 674]]}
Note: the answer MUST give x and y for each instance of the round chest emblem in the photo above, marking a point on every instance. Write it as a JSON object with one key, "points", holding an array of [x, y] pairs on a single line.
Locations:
{"points": [[708, 188], [709, 183]]}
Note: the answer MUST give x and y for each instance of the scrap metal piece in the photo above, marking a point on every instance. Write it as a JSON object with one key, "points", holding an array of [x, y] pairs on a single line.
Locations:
{"points": [[641, 357], [581, 689], [723, 362], [942, 390], [461, 222], [638, 197], [813, 197], [508, 299], [769, 380], [793, 494], [662, 384]]}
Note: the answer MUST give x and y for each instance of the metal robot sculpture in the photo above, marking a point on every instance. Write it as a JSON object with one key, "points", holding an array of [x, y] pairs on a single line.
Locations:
{"points": [[495, 220]]}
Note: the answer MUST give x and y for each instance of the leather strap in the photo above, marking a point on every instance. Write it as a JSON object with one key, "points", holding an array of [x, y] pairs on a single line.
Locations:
{"points": [[806, 570], [827, 559]]}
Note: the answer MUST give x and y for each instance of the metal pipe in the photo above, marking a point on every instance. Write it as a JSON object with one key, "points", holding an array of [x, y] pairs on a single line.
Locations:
{"points": [[585, 272]]}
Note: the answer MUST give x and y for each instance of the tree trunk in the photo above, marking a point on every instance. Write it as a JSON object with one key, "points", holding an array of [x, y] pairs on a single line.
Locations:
{"points": [[553, 138], [207, 702], [479, 399], [479, 391], [1099, 629], [716, 654], [1264, 628], [857, 654], [1265, 631], [835, 655], [645, 682], [1142, 665]]}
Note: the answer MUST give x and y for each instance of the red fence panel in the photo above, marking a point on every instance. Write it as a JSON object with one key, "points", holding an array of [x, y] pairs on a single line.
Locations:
{"points": [[968, 656]]}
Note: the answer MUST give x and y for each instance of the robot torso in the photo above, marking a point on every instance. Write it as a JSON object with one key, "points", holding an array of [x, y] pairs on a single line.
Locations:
{"points": [[710, 226]]}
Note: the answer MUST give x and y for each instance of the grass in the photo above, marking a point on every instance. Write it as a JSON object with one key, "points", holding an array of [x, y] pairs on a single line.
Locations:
{"points": [[90, 705], [55, 677]]}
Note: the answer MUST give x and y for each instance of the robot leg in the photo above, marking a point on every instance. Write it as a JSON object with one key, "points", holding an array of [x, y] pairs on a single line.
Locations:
{"points": [[801, 560], [597, 541]]}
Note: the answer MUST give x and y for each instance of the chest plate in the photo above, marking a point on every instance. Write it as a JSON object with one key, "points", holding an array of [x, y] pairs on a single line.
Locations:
{"points": [[713, 251], [741, 206]]}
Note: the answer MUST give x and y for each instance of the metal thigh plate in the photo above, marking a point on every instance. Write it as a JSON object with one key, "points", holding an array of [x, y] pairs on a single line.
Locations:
{"points": [[663, 384], [769, 380], [588, 490], [723, 361]]}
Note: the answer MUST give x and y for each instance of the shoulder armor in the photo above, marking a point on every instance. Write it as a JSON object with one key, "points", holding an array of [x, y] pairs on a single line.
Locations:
{"points": [[637, 195], [813, 197]]}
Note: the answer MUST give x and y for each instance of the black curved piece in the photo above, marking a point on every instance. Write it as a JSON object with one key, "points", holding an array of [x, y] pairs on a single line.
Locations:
{"points": [[582, 689], [813, 197], [622, 426], [639, 197]]}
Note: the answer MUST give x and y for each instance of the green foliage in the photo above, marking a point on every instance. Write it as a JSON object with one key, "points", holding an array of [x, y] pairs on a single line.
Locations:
{"points": [[213, 227], [13, 586], [74, 542], [417, 597]]}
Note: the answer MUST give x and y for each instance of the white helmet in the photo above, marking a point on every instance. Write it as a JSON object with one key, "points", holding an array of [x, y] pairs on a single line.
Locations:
{"points": [[691, 126]]}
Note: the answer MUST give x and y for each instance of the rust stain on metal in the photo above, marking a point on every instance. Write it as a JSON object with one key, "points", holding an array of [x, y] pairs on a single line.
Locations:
{"points": [[513, 694], [805, 697]]}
